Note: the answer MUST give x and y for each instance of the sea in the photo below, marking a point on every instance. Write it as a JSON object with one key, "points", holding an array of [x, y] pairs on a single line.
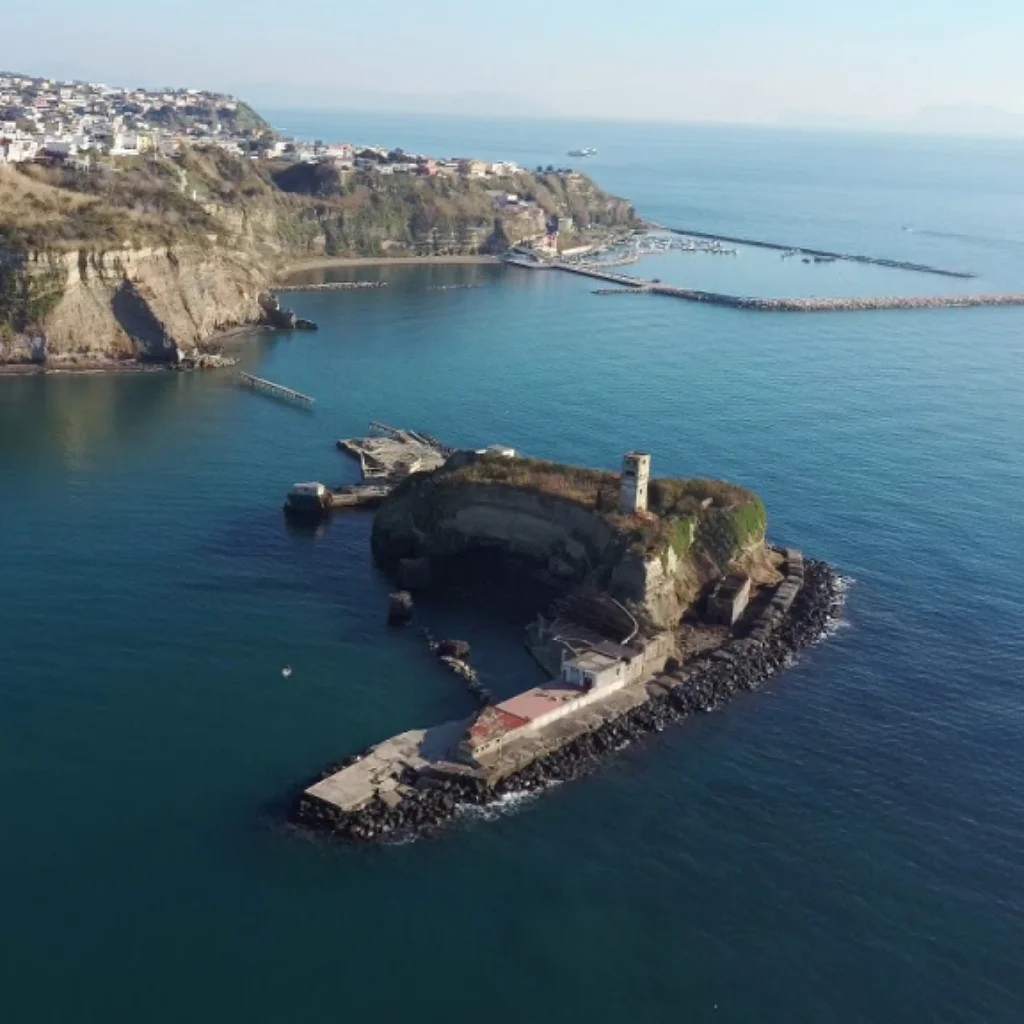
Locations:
{"points": [[844, 845]]}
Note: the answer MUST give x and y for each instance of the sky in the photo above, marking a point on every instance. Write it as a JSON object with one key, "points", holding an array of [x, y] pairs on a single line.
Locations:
{"points": [[753, 61]]}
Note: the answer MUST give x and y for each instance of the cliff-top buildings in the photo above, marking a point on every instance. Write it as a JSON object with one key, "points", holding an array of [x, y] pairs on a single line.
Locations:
{"points": [[42, 119]]}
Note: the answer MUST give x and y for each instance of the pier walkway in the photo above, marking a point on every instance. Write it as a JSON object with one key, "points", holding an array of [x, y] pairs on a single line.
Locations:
{"points": [[268, 387]]}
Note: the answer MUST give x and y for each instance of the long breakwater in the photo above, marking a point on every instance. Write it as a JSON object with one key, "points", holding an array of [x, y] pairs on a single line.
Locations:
{"points": [[825, 254], [635, 285]]}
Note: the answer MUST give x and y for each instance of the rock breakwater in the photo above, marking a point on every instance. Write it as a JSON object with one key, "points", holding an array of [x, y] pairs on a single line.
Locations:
{"points": [[840, 304], [330, 286], [825, 254], [699, 686]]}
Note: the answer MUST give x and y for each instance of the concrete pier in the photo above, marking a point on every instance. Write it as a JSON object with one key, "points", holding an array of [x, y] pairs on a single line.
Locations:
{"points": [[389, 453]]}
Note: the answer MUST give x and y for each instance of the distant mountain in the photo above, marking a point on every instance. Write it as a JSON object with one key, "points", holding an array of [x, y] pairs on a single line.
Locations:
{"points": [[963, 119]]}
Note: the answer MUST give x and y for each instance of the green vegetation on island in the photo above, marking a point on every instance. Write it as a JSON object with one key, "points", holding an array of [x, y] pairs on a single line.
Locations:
{"points": [[723, 517]]}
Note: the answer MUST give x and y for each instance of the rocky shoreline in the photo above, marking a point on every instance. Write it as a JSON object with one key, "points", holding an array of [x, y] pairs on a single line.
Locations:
{"points": [[700, 686]]}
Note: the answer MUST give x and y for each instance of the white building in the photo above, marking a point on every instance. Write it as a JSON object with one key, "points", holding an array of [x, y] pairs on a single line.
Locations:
{"points": [[19, 151], [126, 145], [605, 665], [636, 473]]}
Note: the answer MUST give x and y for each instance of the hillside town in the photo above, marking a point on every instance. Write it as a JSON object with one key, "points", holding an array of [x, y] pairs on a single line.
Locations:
{"points": [[41, 118], [83, 136], [45, 120]]}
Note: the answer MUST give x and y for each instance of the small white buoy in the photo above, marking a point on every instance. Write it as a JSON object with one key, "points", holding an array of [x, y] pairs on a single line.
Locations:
{"points": [[286, 671]]}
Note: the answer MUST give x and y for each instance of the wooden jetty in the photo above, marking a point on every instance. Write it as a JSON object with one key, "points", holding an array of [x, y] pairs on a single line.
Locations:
{"points": [[268, 387]]}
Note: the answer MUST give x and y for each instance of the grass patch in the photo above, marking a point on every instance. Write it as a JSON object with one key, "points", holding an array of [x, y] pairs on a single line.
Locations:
{"points": [[715, 516]]}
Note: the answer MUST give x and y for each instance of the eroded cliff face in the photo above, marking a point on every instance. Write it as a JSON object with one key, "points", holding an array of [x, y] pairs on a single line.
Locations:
{"points": [[141, 304], [436, 517]]}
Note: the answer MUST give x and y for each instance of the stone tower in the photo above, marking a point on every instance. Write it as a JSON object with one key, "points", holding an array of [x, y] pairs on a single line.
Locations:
{"points": [[636, 472]]}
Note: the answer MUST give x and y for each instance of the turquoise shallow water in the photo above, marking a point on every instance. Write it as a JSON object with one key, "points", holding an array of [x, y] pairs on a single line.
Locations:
{"points": [[843, 846]]}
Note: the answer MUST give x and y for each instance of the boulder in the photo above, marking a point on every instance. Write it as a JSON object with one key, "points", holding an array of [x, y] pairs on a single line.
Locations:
{"points": [[458, 649], [400, 608]]}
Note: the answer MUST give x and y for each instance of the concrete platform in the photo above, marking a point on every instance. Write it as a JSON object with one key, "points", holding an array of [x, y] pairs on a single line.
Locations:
{"points": [[380, 770], [389, 453]]}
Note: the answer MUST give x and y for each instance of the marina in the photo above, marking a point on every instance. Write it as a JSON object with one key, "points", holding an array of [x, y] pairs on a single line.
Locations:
{"points": [[623, 252]]}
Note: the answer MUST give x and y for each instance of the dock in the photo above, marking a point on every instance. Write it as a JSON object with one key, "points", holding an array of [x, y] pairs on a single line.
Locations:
{"points": [[386, 457], [268, 387], [359, 496], [388, 454]]}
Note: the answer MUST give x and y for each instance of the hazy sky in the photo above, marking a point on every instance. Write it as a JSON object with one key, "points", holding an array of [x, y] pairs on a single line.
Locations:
{"points": [[732, 60]]}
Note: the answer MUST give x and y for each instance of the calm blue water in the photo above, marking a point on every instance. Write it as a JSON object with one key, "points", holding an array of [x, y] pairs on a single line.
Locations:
{"points": [[844, 846]]}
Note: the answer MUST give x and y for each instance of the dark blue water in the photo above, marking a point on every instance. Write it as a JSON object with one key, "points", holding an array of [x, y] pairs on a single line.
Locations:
{"points": [[844, 846]]}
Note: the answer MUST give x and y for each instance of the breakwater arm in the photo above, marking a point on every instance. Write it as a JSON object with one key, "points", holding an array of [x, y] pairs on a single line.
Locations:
{"points": [[330, 286], [922, 268], [792, 305], [840, 304]]}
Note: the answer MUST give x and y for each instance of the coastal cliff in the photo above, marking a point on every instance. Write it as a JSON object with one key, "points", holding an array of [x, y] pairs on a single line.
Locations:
{"points": [[143, 258], [144, 305], [364, 213], [561, 525]]}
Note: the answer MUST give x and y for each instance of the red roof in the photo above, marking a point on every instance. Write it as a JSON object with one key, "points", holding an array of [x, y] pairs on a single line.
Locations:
{"points": [[493, 722]]}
